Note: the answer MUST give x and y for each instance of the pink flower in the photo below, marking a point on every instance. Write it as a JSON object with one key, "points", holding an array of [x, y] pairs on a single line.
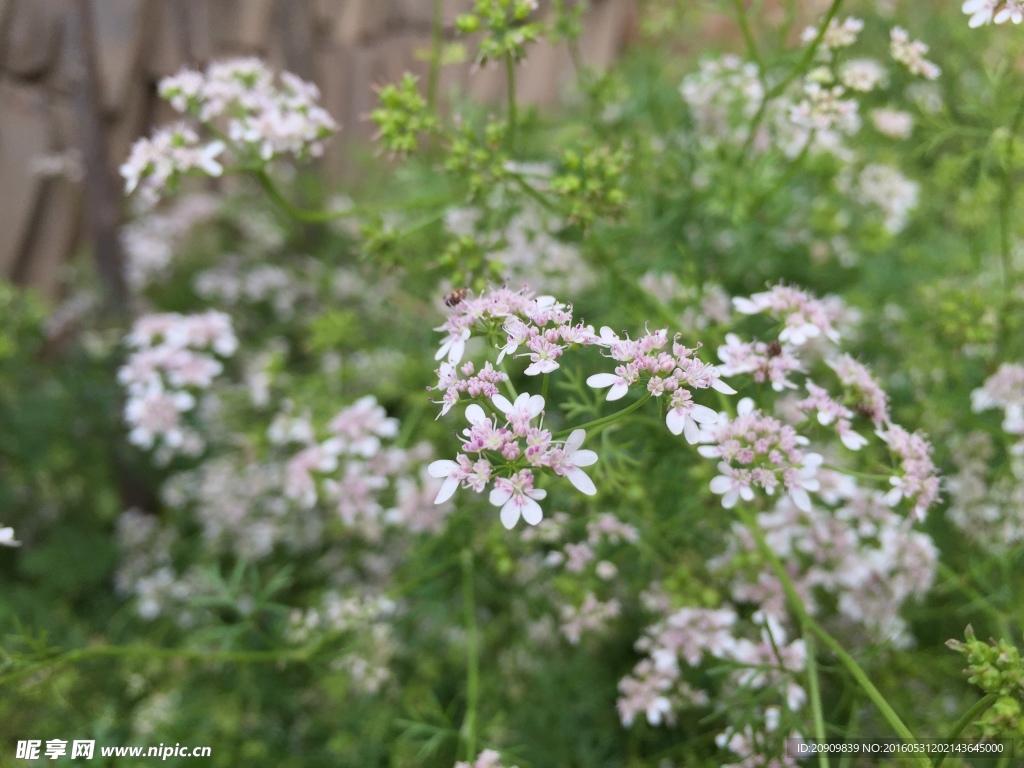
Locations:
{"points": [[685, 415], [518, 498], [567, 462]]}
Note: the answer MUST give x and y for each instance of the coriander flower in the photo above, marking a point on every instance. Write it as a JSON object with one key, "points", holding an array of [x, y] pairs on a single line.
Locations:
{"points": [[7, 538], [568, 460], [518, 498]]}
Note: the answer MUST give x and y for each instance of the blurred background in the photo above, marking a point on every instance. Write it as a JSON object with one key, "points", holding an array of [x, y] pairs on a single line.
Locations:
{"points": [[78, 83]]}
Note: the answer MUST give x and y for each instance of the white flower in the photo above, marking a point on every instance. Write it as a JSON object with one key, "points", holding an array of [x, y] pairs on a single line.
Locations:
{"points": [[526, 408], [732, 485], [518, 498], [980, 11], [619, 384], [806, 479], [454, 346], [570, 460], [7, 538], [450, 471], [685, 415]]}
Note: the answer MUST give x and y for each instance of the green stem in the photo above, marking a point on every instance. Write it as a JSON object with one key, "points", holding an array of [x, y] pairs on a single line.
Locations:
{"points": [[510, 75], [780, 87], [472, 655], [808, 623], [814, 691], [149, 652], [304, 215], [790, 171], [977, 596], [604, 421], [968, 717], [437, 31], [748, 35], [508, 380]]}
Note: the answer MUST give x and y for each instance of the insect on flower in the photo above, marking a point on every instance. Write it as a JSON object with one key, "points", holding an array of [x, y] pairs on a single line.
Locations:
{"points": [[456, 297]]}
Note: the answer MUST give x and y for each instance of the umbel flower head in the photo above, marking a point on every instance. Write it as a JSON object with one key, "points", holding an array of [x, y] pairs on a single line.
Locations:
{"points": [[249, 116], [508, 454]]}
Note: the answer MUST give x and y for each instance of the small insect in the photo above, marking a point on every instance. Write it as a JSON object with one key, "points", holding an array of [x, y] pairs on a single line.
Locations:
{"points": [[774, 349], [456, 297]]}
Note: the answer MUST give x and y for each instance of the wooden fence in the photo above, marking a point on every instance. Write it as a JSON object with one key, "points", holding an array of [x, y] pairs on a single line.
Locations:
{"points": [[346, 46]]}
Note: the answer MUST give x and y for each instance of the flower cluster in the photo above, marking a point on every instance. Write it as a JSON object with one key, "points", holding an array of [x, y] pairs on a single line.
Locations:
{"points": [[371, 642], [767, 362], [7, 538], [150, 241], [804, 316], [894, 123], [830, 411], [988, 510], [592, 614], [1004, 390], [540, 323], [723, 95], [516, 449], [355, 472], [673, 374], [858, 555], [862, 75], [238, 100], [918, 481], [824, 109], [993, 12], [157, 163], [889, 190], [172, 355], [757, 450], [911, 53], [688, 636], [838, 34], [867, 395]]}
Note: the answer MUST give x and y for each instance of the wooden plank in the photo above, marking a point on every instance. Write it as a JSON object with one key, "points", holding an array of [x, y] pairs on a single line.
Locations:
{"points": [[335, 76], [362, 20], [607, 27], [255, 18], [59, 214], [166, 50], [32, 37], [295, 28], [119, 31], [24, 135], [202, 46]]}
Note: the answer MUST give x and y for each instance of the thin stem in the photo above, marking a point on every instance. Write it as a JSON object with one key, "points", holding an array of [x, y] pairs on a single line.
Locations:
{"points": [[748, 35], [973, 712], [472, 655], [510, 74], [808, 623], [790, 171], [508, 380], [814, 691], [437, 31], [530, 190], [304, 215], [798, 70], [977, 596], [604, 421]]}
